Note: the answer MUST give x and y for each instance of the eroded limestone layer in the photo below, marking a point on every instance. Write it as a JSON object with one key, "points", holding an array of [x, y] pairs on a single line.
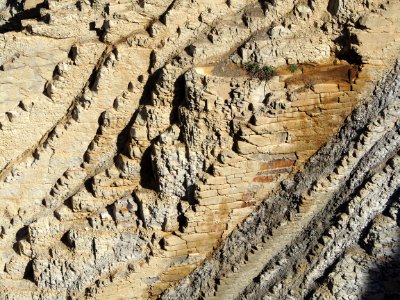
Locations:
{"points": [[193, 149]]}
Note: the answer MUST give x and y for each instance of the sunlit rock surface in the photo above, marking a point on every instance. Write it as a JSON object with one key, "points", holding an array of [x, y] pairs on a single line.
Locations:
{"points": [[199, 149]]}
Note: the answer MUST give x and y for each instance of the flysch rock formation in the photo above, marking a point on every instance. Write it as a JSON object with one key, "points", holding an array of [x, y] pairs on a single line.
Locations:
{"points": [[198, 149]]}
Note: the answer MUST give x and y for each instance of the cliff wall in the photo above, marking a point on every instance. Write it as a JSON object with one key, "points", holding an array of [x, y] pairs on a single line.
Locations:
{"points": [[194, 149]]}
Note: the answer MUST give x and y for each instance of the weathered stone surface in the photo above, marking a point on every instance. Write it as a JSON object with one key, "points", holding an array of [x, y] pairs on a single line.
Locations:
{"points": [[140, 140]]}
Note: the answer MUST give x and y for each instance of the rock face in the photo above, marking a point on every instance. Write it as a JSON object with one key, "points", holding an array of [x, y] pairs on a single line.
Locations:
{"points": [[200, 149]]}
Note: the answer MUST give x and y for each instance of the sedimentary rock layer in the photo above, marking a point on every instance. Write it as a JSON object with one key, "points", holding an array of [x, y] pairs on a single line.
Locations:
{"points": [[198, 149]]}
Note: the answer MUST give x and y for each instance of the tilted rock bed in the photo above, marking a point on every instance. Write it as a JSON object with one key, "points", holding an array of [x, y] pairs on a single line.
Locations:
{"points": [[135, 147]]}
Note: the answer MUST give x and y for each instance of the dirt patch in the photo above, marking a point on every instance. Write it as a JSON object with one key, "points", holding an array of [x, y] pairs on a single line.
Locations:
{"points": [[223, 69], [315, 74]]}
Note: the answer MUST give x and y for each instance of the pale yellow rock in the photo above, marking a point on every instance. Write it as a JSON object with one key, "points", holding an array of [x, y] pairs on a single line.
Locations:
{"points": [[29, 4], [133, 140]]}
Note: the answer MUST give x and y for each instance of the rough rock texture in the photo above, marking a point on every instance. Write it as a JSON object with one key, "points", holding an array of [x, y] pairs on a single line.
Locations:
{"points": [[192, 149]]}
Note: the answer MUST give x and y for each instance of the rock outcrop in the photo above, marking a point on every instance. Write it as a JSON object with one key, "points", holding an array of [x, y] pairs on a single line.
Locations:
{"points": [[199, 149]]}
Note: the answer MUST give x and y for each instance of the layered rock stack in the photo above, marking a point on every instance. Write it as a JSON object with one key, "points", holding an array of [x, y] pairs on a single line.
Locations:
{"points": [[200, 149]]}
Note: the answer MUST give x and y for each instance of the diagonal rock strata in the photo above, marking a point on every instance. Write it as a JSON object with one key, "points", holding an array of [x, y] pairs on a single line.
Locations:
{"points": [[141, 159]]}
